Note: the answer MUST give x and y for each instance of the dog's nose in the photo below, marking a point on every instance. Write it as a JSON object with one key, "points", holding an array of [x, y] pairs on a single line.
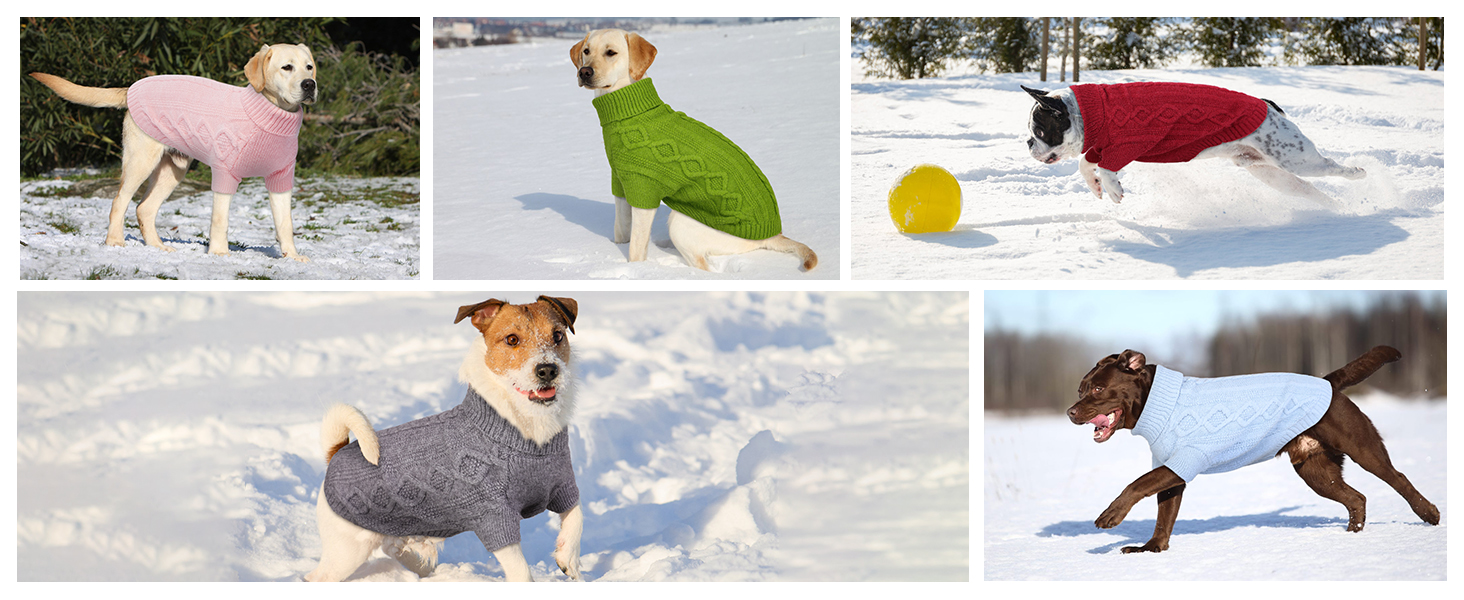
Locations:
{"points": [[1031, 142], [546, 372], [585, 73], [308, 85], [1073, 414]]}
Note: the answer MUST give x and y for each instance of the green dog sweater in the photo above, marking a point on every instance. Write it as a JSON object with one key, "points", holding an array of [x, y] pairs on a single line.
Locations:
{"points": [[659, 155]]}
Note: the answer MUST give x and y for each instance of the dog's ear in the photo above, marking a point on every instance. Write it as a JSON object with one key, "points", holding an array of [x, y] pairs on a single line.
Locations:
{"points": [[566, 308], [574, 53], [481, 312], [254, 70], [1131, 360], [642, 54], [1047, 102]]}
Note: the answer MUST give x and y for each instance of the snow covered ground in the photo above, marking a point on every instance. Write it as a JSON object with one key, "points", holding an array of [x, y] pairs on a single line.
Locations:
{"points": [[1205, 219], [1046, 481], [720, 436], [522, 188], [349, 228]]}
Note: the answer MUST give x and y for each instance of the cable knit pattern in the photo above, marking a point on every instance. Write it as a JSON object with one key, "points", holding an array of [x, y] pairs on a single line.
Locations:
{"points": [[467, 469], [233, 130], [1161, 122], [660, 155], [1212, 425]]}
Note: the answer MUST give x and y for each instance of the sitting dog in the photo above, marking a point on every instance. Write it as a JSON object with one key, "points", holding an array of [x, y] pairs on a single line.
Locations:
{"points": [[1109, 126], [249, 131], [721, 203], [499, 457], [1195, 425]]}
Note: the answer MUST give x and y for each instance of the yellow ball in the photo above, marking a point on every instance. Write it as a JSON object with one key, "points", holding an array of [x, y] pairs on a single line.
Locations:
{"points": [[925, 199]]}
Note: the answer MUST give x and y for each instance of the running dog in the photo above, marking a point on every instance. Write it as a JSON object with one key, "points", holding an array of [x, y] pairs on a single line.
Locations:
{"points": [[1108, 126], [1196, 425], [249, 131], [499, 457]]}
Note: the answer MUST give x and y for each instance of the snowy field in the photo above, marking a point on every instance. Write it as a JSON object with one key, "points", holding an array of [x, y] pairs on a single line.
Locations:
{"points": [[349, 228], [522, 186], [719, 436], [1046, 481], [1205, 219]]}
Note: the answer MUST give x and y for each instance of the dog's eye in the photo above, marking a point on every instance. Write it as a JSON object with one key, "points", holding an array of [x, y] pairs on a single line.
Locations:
{"points": [[512, 339], [1097, 388], [309, 67], [558, 336], [288, 67], [609, 53]]}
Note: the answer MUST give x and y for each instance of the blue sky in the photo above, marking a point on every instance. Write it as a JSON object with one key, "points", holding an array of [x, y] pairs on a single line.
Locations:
{"points": [[1152, 320]]}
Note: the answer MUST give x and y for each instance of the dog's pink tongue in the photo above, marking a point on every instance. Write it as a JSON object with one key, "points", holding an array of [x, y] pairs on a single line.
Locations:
{"points": [[1099, 421], [542, 394]]}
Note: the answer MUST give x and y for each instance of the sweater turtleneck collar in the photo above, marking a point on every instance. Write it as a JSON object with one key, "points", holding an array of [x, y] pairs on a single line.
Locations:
{"points": [[1163, 397], [627, 102], [269, 117], [477, 411]]}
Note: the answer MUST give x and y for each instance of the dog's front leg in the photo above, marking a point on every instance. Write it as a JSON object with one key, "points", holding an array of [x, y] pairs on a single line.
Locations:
{"points": [[218, 232], [1088, 171], [279, 207], [1150, 483], [640, 232], [622, 221], [511, 558], [1110, 184], [567, 547], [1164, 523]]}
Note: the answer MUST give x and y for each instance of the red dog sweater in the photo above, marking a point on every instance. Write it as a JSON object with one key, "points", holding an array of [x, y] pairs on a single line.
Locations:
{"points": [[1161, 122]]}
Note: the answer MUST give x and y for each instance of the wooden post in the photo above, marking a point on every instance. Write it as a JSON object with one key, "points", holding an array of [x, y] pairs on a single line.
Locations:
{"points": [[1422, 42], [1046, 30], [1075, 48]]}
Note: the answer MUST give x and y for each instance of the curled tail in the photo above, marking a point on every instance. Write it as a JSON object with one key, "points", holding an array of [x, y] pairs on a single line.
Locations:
{"points": [[782, 243], [341, 421], [80, 94], [1362, 368]]}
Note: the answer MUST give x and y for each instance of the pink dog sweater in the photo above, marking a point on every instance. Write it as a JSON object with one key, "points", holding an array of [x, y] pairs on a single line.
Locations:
{"points": [[234, 130], [1161, 122]]}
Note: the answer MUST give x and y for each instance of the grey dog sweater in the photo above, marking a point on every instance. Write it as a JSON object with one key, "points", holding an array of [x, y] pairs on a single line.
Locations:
{"points": [[467, 469]]}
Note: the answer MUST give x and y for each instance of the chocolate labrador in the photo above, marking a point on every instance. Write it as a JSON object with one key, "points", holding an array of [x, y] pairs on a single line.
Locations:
{"points": [[1196, 425]]}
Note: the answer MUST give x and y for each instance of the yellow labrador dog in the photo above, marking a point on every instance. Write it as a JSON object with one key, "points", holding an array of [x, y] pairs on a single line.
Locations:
{"points": [[249, 131], [721, 203]]}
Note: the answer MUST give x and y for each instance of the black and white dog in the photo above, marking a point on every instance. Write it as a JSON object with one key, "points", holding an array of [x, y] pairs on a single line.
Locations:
{"points": [[1108, 126]]}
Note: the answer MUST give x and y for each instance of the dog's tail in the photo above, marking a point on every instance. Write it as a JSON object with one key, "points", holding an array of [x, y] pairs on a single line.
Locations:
{"points": [[1362, 368], [80, 94], [341, 421], [783, 243]]}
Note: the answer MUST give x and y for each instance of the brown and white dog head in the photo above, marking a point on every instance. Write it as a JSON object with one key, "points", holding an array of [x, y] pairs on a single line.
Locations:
{"points": [[284, 73], [610, 59], [1112, 395], [522, 363]]}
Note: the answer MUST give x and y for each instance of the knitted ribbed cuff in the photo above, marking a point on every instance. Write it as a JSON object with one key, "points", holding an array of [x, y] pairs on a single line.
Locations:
{"points": [[627, 102]]}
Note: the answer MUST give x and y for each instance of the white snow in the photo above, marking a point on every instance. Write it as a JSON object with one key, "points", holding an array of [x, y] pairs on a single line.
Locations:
{"points": [[1205, 219], [522, 186], [720, 436], [349, 228], [1045, 482]]}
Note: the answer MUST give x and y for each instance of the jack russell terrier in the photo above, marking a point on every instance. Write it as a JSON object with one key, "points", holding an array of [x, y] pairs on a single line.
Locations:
{"points": [[721, 203], [499, 457]]}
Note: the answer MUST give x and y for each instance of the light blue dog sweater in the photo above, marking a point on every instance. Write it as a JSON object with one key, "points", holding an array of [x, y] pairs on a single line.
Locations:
{"points": [[1212, 425]]}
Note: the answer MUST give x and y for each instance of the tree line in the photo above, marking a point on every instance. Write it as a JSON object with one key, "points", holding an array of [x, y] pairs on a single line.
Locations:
{"points": [[916, 47], [1041, 372]]}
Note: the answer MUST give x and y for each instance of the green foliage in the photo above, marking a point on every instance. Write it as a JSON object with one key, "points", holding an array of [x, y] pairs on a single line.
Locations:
{"points": [[909, 47], [364, 122], [1006, 44], [1130, 43], [1232, 41], [1367, 41]]}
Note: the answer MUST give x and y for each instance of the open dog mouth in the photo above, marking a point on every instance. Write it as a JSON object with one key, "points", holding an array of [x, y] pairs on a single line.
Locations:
{"points": [[542, 395], [1104, 425], [1051, 158]]}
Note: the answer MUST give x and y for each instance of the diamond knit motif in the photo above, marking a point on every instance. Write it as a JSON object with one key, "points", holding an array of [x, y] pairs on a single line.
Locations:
{"points": [[439, 481], [409, 494], [472, 468], [381, 498], [357, 503]]}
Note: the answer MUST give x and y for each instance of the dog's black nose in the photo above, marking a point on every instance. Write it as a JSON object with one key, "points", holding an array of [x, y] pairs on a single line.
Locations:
{"points": [[585, 73], [546, 372], [1073, 413], [308, 85], [1031, 142]]}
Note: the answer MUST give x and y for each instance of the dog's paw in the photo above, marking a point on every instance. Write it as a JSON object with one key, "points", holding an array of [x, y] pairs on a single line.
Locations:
{"points": [[1151, 546], [1112, 516], [298, 258], [1428, 512], [568, 558]]}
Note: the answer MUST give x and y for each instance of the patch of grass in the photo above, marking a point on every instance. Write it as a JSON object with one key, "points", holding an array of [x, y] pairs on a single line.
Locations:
{"points": [[52, 192], [64, 225], [385, 197], [315, 227], [102, 272], [243, 275], [165, 277]]}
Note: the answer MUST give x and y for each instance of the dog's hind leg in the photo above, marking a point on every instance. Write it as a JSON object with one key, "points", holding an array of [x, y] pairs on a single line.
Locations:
{"points": [[1321, 469], [140, 155], [417, 554], [1281, 180], [343, 545], [1361, 442], [165, 178], [1284, 143], [515, 568]]}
